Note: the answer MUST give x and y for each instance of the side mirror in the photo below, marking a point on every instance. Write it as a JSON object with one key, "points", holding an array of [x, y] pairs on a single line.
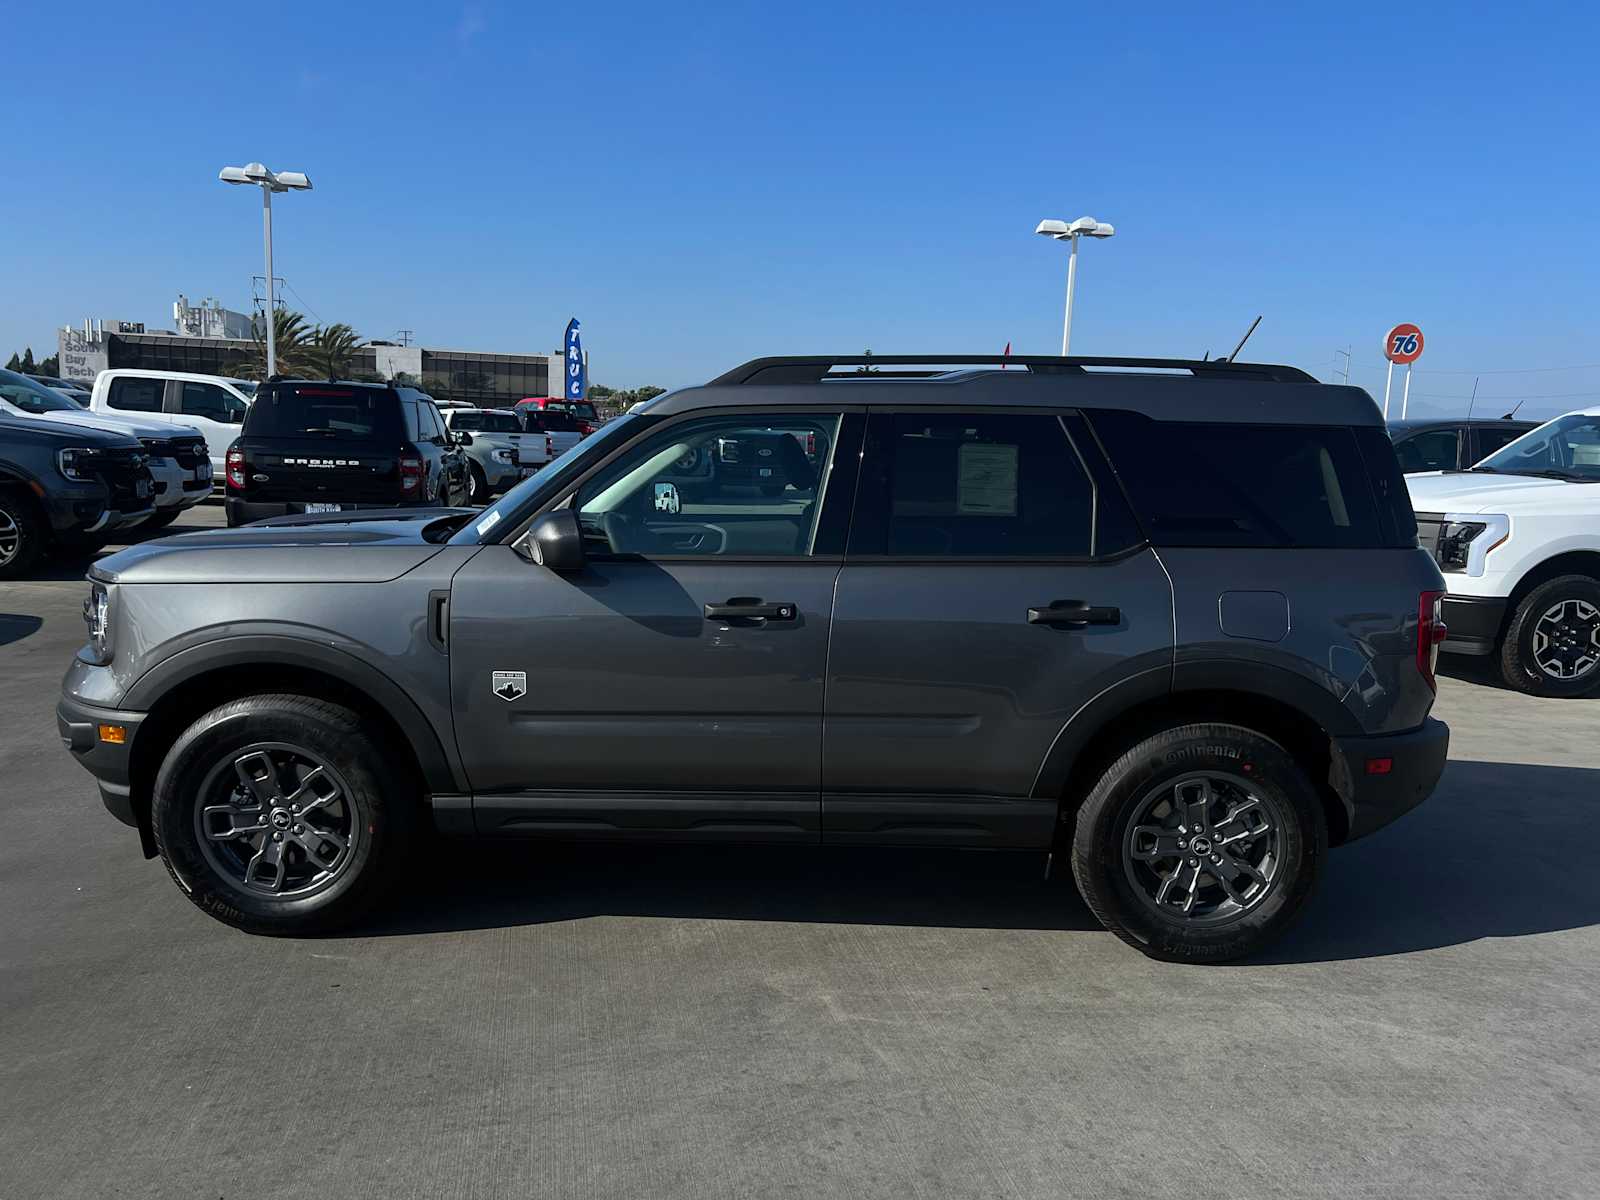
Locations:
{"points": [[236, 416], [555, 541], [461, 437]]}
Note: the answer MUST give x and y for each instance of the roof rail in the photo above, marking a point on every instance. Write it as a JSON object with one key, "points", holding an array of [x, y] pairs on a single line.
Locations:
{"points": [[815, 368]]}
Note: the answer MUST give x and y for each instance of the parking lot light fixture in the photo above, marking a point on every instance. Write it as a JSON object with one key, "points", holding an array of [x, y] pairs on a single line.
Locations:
{"points": [[1065, 231], [268, 181]]}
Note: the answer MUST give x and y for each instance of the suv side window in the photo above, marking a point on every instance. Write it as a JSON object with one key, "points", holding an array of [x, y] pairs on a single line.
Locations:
{"points": [[724, 486], [977, 485], [433, 423], [1199, 483], [207, 400], [133, 394], [1430, 450]]}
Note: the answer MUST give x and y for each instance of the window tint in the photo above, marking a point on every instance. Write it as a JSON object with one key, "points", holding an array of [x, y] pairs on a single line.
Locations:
{"points": [[1492, 437], [972, 485], [465, 420], [428, 421], [135, 395], [735, 485], [324, 411], [207, 400], [1201, 484], [1429, 450]]}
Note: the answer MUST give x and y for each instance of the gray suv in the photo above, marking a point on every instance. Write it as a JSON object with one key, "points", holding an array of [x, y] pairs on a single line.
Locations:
{"points": [[1167, 620]]}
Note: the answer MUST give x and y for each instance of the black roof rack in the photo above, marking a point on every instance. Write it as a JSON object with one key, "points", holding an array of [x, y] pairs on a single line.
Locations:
{"points": [[815, 368]]}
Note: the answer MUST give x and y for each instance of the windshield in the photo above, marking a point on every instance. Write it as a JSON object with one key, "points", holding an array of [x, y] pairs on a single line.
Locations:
{"points": [[325, 411], [32, 397], [1566, 448], [507, 510], [245, 387]]}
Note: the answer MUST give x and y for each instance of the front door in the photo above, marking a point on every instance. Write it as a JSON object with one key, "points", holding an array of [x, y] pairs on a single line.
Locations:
{"points": [[995, 583], [212, 410], [675, 684]]}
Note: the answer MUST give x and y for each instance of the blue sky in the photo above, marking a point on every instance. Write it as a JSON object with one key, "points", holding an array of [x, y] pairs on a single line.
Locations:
{"points": [[703, 184]]}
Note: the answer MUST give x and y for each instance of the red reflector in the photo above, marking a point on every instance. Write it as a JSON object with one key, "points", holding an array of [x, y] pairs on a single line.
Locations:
{"points": [[1379, 766]]}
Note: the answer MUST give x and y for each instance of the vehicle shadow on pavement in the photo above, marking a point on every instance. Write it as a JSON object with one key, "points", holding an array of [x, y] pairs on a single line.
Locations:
{"points": [[1488, 855], [496, 884], [16, 626]]}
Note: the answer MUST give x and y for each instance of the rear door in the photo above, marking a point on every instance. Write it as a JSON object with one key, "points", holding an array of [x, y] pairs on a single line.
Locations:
{"points": [[995, 583], [216, 413], [676, 683], [324, 444]]}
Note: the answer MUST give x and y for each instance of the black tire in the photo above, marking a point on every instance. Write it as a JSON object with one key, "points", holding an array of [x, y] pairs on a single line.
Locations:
{"points": [[478, 487], [1117, 886], [162, 519], [22, 533], [199, 770], [1572, 640]]}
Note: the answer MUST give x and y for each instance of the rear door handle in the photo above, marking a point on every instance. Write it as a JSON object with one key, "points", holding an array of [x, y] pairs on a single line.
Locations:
{"points": [[1074, 612], [741, 606]]}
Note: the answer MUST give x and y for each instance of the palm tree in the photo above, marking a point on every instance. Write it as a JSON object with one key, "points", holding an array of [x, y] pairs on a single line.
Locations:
{"points": [[332, 347], [291, 340]]}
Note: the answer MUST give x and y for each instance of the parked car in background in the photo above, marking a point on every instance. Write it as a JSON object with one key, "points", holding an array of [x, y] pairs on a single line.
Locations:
{"points": [[586, 418], [313, 447], [499, 453], [1518, 539], [65, 485], [560, 426], [178, 460], [78, 393], [1450, 443], [212, 404], [999, 610]]}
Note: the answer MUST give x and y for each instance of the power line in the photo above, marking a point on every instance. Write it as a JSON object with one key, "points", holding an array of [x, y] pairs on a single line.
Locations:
{"points": [[302, 300], [1371, 366]]}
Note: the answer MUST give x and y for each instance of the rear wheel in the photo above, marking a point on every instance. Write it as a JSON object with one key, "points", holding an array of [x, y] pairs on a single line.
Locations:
{"points": [[1200, 844], [21, 533], [1552, 643], [282, 814]]}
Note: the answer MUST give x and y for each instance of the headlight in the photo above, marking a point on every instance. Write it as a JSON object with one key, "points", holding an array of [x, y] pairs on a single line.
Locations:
{"points": [[503, 456], [97, 616], [1466, 539], [77, 463]]}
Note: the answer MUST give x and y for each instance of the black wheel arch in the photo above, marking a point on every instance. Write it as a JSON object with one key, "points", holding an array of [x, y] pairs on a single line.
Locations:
{"points": [[1287, 707], [194, 681]]}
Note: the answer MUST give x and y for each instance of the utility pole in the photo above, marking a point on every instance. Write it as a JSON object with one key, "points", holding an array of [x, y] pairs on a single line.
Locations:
{"points": [[1347, 361]]}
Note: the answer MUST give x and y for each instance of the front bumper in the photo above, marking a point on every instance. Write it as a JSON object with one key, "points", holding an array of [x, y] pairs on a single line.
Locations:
{"points": [[1473, 623], [79, 725], [1375, 795]]}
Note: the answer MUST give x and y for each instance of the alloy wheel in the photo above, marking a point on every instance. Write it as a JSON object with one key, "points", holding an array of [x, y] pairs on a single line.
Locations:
{"points": [[1566, 640], [276, 821], [10, 537], [1204, 849]]}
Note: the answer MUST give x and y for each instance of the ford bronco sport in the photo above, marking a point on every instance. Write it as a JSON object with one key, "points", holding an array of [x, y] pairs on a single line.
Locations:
{"points": [[1168, 620]]}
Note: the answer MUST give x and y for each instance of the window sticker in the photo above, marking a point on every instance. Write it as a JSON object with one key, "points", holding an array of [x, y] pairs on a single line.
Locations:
{"points": [[488, 523], [986, 480]]}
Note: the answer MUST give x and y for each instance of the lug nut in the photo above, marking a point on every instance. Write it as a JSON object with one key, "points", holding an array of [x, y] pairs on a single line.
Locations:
{"points": [[277, 837], [1182, 845], [1194, 862], [297, 829]]}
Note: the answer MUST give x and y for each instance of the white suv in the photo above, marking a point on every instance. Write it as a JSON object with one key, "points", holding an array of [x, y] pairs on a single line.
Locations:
{"points": [[1518, 540]]}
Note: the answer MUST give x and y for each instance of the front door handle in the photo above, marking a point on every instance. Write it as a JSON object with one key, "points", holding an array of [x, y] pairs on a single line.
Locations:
{"points": [[1074, 612], [744, 606]]}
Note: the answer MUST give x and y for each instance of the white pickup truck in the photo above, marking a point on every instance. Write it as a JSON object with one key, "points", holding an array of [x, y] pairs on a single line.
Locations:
{"points": [[499, 453], [212, 404], [1518, 540]]}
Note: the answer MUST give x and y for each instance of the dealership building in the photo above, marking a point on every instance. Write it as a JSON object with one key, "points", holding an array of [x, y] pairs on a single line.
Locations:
{"points": [[211, 340]]}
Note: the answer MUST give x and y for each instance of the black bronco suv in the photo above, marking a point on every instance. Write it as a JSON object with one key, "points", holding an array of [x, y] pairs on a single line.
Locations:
{"points": [[66, 484], [1167, 620], [309, 447]]}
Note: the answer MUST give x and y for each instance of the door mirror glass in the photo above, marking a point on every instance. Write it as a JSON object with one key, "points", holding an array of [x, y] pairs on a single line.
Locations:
{"points": [[667, 498], [461, 437], [554, 541]]}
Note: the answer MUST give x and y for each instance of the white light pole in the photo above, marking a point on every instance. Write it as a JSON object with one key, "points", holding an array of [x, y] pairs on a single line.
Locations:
{"points": [[1062, 231], [268, 182]]}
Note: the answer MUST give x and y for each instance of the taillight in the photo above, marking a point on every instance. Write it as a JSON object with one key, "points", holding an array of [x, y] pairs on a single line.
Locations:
{"points": [[236, 468], [410, 474], [1430, 633]]}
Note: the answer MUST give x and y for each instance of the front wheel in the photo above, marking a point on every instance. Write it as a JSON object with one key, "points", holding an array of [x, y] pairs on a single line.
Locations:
{"points": [[281, 814], [1552, 642], [21, 533], [1200, 844], [478, 492]]}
